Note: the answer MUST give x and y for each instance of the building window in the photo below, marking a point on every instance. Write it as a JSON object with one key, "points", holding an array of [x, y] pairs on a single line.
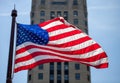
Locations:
{"points": [[51, 81], [59, 77], [42, 2], [59, 66], [66, 66], [42, 20], [40, 66], [51, 77], [32, 22], [85, 14], [59, 13], [65, 15], [29, 77], [86, 24], [75, 2], [77, 76], [77, 66], [66, 81], [51, 66], [59, 72], [88, 77], [66, 72], [75, 13], [88, 68], [58, 3], [52, 14], [32, 14], [51, 72], [42, 13], [76, 21], [40, 76], [86, 31], [66, 77]]}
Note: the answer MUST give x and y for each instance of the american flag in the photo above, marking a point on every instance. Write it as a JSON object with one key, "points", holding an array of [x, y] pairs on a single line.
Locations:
{"points": [[56, 41]]}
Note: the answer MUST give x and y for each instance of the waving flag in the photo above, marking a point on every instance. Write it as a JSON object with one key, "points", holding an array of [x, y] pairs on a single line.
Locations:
{"points": [[56, 41]]}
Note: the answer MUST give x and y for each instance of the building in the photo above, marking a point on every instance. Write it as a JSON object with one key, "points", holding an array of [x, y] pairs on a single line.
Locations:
{"points": [[75, 12]]}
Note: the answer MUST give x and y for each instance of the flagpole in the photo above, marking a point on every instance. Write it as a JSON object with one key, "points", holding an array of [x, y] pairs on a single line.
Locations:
{"points": [[11, 47]]}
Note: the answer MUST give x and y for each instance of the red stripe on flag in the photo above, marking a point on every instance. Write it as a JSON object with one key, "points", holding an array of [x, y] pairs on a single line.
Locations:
{"points": [[34, 54], [54, 28], [30, 66], [48, 22], [104, 65], [25, 67], [68, 44], [67, 34], [79, 51]]}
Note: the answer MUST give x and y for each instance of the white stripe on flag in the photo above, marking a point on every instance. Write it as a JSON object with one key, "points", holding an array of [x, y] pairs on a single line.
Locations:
{"points": [[52, 24], [60, 31], [85, 55], [71, 48], [38, 58], [98, 62], [67, 39]]}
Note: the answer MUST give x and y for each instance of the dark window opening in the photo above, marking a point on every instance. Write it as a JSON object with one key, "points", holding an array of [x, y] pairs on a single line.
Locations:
{"points": [[51, 66], [88, 77], [77, 76], [58, 76], [40, 66], [52, 14], [66, 77], [51, 76], [88, 68], [42, 13], [86, 24], [59, 13], [42, 2], [29, 77], [76, 21], [77, 66], [32, 14], [59, 66], [75, 2], [65, 15], [40, 76], [32, 22], [42, 20], [51, 81], [58, 3], [66, 66], [75, 13]]}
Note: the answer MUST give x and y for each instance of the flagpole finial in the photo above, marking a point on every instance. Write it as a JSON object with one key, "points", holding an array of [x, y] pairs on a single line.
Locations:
{"points": [[14, 12], [14, 6]]}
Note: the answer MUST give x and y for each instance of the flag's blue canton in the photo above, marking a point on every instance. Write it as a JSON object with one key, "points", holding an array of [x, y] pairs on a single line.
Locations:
{"points": [[31, 33]]}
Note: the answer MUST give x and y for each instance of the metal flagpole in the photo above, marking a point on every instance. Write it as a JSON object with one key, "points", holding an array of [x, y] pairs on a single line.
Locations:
{"points": [[11, 47]]}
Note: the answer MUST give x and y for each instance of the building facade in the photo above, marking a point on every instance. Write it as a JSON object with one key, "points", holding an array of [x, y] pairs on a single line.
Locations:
{"points": [[75, 12]]}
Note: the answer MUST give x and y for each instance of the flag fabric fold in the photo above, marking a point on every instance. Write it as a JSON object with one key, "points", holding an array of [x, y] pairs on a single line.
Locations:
{"points": [[56, 41]]}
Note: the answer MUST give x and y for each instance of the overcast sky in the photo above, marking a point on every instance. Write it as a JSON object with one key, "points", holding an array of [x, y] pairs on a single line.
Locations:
{"points": [[104, 27]]}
